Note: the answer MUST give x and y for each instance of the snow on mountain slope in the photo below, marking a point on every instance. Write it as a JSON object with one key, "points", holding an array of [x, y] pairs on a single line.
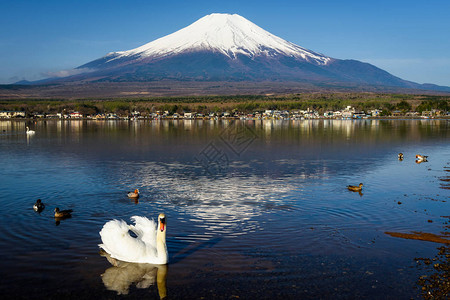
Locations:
{"points": [[224, 47], [224, 33]]}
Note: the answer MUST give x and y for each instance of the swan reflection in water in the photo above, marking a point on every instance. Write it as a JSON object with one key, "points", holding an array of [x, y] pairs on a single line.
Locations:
{"points": [[122, 275]]}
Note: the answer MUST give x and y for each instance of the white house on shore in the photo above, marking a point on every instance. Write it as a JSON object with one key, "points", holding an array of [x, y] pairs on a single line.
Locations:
{"points": [[348, 112], [189, 115]]}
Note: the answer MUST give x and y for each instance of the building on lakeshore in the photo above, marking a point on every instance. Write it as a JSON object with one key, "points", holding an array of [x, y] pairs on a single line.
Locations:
{"points": [[7, 114], [76, 115]]}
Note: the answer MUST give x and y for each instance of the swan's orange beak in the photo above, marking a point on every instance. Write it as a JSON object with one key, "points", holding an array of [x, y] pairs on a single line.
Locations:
{"points": [[162, 223]]}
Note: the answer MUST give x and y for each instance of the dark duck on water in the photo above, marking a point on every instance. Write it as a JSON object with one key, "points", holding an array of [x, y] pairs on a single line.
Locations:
{"points": [[38, 206]]}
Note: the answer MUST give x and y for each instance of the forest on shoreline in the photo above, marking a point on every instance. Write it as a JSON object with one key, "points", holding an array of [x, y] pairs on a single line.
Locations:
{"points": [[320, 102]]}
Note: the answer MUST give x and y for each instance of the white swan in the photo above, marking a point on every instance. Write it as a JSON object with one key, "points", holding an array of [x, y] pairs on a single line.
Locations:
{"points": [[149, 245], [30, 131]]}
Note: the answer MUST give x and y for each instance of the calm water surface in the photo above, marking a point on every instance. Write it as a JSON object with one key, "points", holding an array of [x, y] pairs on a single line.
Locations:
{"points": [[256, 209]]}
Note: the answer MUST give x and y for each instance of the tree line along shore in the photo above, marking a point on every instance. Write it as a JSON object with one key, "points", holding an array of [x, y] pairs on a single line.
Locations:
{"points": [[319, 103]]}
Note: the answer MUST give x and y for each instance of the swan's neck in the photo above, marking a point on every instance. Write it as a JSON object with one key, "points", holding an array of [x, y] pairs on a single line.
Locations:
{"points": [[161, 246]]}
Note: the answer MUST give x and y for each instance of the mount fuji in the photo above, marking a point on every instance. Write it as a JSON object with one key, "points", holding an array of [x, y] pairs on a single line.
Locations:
{"points": [[225, 47]]}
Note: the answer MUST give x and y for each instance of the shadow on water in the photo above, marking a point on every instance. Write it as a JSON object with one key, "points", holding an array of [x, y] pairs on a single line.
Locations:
{"points": [[190, 249]]}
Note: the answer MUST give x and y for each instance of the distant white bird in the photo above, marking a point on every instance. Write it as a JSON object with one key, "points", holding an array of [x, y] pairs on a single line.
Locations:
{"points": [[149, 245], [30, 131]]}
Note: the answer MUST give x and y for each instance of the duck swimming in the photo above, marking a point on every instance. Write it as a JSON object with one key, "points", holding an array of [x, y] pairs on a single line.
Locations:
{"points": [[149, 245], [355, 188], [134, 194], [38, 206], [422, 157], [67, 213]]}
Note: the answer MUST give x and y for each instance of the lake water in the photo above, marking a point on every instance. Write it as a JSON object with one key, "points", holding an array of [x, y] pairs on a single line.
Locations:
{"points": [[255, 209]]}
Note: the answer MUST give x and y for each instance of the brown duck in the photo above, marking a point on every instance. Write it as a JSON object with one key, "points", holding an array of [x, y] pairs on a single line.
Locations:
{"points": [[354, 188], [63, 213], [134, 194]]}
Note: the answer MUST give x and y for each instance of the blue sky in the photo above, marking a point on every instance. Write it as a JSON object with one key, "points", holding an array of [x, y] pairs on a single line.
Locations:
{"points": [[410, 39]]}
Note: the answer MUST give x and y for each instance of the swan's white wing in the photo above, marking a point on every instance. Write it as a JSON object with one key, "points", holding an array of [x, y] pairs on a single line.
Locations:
{"points": [[120, 245], [145, 229]]}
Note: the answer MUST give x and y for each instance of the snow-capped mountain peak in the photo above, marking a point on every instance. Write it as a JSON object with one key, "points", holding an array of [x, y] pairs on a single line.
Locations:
{"points": [[231, 35], [229, 48]]}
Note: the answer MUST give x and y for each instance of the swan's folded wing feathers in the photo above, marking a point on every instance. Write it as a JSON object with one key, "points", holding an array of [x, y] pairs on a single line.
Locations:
{"points": [[136, 231], [118, 242], [147, 229], [120, 245]]}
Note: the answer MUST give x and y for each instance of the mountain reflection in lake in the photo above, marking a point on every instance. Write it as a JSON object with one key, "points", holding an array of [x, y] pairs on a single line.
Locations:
{"points": [[272, 219]]}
